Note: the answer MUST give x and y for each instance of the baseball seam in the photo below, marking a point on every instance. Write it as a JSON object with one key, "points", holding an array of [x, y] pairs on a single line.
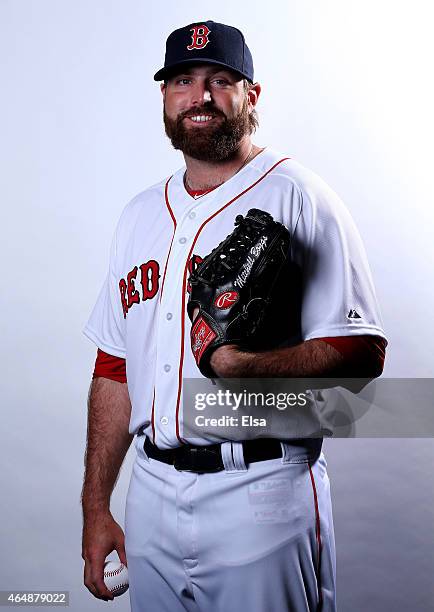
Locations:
{"points": [[119, 587], [114, 572]]}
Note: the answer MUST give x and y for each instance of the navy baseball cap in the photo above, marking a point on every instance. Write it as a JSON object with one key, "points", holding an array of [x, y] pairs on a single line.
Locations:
{"points": [[210, 42]]}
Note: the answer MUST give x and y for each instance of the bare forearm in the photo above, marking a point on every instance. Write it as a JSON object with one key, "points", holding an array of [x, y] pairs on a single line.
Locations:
{"points": [[108, 440], [311, 359]]}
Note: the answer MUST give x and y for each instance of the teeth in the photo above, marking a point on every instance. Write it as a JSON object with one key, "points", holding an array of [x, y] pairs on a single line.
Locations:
{"points": [[201, 118]]}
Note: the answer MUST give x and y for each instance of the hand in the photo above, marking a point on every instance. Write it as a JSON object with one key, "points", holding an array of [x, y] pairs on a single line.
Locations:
{"points": [[223, 358], [101, 535]]}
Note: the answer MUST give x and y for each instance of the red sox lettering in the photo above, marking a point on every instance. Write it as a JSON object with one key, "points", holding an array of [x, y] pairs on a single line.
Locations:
{"points": [[148, 277]]}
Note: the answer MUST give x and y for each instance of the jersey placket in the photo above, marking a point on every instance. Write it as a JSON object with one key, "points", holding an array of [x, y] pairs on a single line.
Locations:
{"points": [[170, 322]]}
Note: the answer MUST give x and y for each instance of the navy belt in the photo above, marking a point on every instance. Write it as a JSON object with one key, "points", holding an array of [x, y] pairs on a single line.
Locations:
{"points": [[204, 459]]}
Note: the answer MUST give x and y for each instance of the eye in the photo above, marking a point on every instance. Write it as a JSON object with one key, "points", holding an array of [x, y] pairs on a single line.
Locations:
{"points": [[221, 81], [183, 81]]}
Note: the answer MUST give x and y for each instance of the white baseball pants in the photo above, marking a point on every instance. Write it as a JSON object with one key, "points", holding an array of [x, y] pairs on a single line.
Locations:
{"points": [[259, 539]]}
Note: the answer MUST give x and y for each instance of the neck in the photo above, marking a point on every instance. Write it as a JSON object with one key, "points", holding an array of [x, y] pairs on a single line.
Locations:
{"points": [[206, 175]]}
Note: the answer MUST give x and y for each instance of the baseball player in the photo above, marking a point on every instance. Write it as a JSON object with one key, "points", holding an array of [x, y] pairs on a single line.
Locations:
{"points": [[229, 525]]}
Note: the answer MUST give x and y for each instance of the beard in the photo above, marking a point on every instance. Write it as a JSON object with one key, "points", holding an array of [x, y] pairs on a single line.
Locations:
{"points": [[212, 143]]}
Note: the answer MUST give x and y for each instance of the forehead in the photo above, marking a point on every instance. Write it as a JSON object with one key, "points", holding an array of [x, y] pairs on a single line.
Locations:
{"points": [[206, 70]]}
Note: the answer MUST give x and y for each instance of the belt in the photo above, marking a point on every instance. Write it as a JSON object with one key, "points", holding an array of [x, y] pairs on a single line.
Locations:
{"points": [[204, 459]]}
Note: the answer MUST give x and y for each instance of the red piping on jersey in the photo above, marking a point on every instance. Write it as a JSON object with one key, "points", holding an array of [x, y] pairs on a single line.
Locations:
{"points": [[166, 198], [152, 416], [318, 540], [184, 283]]}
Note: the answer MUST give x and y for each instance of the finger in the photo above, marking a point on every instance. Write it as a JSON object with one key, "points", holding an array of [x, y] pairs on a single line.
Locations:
{"points": [[97, 579], [120, 549], [88, 581], [86, 578]]}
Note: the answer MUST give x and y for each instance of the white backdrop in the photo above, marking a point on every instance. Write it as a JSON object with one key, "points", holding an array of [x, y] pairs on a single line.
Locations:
{"points": [[347, 90]]}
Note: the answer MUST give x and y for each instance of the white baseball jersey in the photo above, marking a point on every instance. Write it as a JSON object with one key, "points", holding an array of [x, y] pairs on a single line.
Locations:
{"points": [[163, 232]]}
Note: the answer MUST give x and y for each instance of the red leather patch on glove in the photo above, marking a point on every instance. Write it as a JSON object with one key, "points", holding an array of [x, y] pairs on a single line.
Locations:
{"points": [[201, 337]]}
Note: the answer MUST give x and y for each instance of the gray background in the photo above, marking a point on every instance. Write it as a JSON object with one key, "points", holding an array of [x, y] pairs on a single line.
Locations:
{"points": [[347, 91]]}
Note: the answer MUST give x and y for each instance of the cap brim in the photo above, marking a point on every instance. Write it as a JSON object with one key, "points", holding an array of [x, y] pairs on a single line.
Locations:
{"points": [[169, 71]]}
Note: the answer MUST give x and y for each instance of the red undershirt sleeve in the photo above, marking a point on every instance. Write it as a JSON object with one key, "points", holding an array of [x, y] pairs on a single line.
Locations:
{"points": [[108, 366], [364, 355]]}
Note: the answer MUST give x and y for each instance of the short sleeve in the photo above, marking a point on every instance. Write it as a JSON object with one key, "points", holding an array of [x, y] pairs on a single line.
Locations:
{"points": [[338, 294], [106, 325]]}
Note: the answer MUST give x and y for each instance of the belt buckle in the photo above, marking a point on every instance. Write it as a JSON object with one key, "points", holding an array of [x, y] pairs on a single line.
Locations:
{"points": [[198, 460]]}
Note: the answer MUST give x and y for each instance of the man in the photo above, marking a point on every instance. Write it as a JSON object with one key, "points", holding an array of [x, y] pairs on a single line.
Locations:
{"points": [[257, 533]]}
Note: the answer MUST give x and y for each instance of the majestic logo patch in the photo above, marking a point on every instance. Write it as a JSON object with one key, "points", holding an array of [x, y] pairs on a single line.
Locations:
{"points": [[226, 299], [201, 337], [199, 38], [353, 314]]}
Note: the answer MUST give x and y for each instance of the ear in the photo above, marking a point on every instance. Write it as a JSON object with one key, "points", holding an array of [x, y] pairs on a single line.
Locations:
{"points": [[163, 89], [253, 94]]}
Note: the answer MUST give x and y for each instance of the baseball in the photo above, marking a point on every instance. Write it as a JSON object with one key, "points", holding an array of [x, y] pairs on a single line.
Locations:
{"points": [[116, 577]]}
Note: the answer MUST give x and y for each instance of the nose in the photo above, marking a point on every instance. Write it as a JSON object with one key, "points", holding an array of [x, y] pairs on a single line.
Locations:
{"points": [[200, 94]]}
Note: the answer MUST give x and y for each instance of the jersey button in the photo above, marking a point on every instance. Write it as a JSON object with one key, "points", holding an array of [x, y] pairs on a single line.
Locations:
{"points": [[167, 368], [182, 240], [164, 420], [192, 215], [169, 316]]}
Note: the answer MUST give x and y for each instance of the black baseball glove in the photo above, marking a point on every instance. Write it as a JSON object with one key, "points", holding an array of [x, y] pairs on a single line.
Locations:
{"points": [[235, 285]]}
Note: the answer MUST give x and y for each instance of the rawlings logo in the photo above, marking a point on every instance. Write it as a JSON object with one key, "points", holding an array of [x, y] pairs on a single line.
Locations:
{"points": [[226, 299], [199, 38]]}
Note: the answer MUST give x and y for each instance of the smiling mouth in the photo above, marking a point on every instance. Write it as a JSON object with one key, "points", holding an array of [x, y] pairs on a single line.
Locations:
{"points": [[201, 118]]}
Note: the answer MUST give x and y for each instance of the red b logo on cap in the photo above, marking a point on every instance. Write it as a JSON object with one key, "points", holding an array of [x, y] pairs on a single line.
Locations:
{"points": [[199, 38]]}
